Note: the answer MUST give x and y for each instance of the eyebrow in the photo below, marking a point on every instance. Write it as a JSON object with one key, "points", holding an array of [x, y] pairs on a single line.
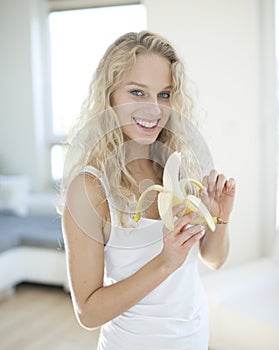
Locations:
{"points": [[145, 86]]}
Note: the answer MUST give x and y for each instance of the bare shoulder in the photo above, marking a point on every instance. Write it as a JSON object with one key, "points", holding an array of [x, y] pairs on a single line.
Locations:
{"points": [[86, 209], [86, 191], [83, 221]]}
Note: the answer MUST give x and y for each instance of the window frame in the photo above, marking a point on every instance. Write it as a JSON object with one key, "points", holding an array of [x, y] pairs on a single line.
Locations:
{"points": [[64, 5]]}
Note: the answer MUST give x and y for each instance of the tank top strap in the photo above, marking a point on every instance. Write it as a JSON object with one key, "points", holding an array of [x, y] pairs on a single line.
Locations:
{"points": [[89, 169]]}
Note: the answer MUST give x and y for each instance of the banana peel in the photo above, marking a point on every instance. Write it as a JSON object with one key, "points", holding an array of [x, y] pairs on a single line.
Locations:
{"points": [[173, 193]]}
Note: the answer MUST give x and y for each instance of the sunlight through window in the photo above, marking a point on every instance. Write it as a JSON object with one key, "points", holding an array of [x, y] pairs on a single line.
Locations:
{"points": [[78, 40]]}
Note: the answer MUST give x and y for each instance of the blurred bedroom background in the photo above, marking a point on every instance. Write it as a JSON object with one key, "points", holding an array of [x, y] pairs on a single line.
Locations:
{"points": [[49, 50]]}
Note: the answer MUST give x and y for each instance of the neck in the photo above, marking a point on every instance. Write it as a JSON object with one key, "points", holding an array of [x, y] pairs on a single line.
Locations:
{"points": [[137, 155], [134, 151]]}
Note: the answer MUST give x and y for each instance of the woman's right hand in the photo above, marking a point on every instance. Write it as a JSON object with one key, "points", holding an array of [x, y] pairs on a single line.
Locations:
{"points": [[179, 241]]}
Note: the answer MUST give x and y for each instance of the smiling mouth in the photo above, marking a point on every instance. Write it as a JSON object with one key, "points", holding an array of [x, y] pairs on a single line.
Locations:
{"points": [[146, 124]]}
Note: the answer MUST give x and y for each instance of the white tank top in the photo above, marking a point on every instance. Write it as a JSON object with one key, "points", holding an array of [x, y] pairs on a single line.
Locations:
{"points": [[174, 316]]}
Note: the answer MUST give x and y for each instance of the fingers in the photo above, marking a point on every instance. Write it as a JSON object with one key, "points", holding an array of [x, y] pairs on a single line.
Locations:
{"points": [[190, 235], [216, 184], [182, 222], [220, 184], [183, 230], [178, 209], [185, 234], [212, 179], [230, 185]]}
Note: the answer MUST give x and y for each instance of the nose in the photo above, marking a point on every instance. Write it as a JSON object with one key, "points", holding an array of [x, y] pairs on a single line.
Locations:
{"points": [[152, 108]]}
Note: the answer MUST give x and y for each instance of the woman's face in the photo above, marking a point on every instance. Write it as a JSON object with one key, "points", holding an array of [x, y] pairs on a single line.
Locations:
{"points": [[142, 101]]}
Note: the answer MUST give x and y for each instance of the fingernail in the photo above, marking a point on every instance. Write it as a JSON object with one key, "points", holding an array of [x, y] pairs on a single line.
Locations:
{"points": [[202, 232], [204, 192], [195, 229]]}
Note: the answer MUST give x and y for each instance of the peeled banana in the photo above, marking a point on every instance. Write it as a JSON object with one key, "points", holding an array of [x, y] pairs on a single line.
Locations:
{"points": [[173, 193]]}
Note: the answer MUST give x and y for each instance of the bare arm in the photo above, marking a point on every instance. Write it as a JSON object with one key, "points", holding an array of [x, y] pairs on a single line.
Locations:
{"points": [[95, 304], [214, 247], [219, 197]]}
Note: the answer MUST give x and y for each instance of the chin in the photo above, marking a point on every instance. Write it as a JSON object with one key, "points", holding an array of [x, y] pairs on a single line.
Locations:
{"points": [[144, 142], [141, 139]]}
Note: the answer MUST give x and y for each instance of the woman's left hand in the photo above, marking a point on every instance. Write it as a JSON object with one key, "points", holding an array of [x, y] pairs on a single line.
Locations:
{"points": [[219, 194]]}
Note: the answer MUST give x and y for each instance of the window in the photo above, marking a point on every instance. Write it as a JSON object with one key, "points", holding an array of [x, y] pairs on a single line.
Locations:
{"points": [[78, 39]]}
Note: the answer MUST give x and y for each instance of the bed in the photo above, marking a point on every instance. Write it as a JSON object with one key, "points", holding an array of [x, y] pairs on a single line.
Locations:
{"points": [[31, 250]]}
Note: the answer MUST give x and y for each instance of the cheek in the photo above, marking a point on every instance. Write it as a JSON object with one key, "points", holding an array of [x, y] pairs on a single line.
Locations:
{"points": [[120, 97], [124, 113], [166, 112], [164, 121], [116, 98]]}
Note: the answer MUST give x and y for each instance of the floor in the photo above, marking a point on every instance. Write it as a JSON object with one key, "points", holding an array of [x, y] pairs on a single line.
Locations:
{"points": [[39, 317]]}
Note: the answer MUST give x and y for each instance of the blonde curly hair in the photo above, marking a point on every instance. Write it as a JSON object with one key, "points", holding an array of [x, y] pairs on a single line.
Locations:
{"points": [[97, 138]]}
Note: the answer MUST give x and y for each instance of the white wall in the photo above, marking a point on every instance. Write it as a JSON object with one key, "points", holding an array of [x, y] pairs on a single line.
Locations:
{"points": [[221, 43], [16, 110], [22, 146]]}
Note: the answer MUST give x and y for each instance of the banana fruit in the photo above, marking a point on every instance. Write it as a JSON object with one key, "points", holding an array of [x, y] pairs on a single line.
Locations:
{"points": [[173, 192]]}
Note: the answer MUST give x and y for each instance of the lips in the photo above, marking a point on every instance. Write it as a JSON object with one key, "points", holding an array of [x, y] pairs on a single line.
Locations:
{"points": [[148, 124]]}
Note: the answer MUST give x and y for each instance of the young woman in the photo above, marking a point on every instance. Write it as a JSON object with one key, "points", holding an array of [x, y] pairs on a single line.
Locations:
{"points": [[139, 281]]}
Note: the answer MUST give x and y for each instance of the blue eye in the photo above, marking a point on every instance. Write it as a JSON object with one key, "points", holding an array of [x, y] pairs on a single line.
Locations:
{"points": [[164, 95], [137, 92]]}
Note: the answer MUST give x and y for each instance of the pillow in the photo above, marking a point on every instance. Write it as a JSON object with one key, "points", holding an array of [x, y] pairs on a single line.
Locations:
{"points": [[43, 204], [14, 191]]}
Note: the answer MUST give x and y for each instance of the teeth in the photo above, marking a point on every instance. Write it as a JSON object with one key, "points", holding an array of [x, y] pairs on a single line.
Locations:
{"points": [[146, 124]]}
